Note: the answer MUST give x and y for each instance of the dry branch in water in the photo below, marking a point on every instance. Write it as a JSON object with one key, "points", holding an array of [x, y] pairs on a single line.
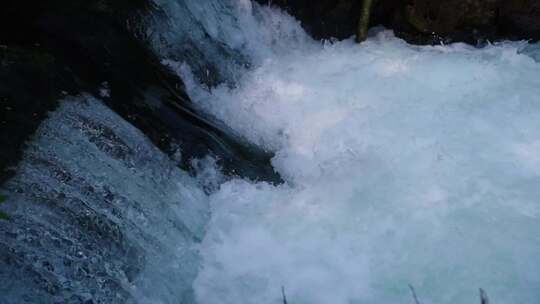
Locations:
{"points": [[283, 294], [483, 297], [415, 297], [363, 23]]}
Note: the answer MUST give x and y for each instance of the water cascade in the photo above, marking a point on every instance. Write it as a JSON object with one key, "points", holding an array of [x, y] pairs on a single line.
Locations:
{"points": [[403, 166]]}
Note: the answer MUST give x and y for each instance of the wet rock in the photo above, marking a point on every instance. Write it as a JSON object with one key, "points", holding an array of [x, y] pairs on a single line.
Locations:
{"points": [[533, 51], [31, 82], [454, 20], [520, 19], [423, 21], [54, 48], [323, 18]]}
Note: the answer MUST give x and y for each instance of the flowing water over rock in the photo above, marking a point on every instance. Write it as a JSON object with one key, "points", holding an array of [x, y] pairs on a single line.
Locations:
{"points": [[402, 165], [219, 39], [98, 215]]}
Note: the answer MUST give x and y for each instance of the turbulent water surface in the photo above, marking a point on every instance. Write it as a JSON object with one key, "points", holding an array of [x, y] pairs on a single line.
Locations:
{"points": [[98, 215], [403, 165]]}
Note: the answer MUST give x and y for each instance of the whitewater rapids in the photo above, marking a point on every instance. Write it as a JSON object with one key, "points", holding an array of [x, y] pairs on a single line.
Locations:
{"points": [[403, 165]]}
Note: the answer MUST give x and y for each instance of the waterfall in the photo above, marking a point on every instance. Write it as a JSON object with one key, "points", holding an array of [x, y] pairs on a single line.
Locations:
{"points": [[219, 39], [403, 166], [98, 215]]}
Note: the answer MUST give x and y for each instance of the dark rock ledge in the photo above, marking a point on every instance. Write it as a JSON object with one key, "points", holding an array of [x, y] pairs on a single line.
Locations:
{"points": [[422, 21], [49, 49]]}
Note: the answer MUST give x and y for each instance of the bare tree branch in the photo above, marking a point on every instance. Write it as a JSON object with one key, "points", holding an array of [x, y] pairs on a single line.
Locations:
{"points": [[415, 297], [483, 297], [283, 294]]}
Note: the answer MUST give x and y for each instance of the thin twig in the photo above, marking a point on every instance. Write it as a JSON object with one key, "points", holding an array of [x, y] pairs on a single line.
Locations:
{"points": [[283, 294], [414, 294], [483, 297]]}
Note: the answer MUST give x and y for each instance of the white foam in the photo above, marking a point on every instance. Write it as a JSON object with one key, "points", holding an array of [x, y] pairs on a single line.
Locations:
{"points": [[93, 184], [404, 165]]}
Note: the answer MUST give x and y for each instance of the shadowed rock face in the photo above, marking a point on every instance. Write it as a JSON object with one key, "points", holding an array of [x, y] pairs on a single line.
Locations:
{"points": [[423, 21], [53, 48], [520, 18], [324, 18], [454, 20], [30, 83]]}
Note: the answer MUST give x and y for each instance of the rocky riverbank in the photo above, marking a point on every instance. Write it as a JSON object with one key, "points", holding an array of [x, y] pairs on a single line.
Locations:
{"points": [[423, 21]]}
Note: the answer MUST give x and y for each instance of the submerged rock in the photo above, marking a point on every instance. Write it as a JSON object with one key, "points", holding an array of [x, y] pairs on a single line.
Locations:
{"points": [[532, 50]]}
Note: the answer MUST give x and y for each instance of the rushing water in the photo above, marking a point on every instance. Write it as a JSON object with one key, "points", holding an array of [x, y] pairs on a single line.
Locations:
{"points": [[403, 165], [98, 215]]}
